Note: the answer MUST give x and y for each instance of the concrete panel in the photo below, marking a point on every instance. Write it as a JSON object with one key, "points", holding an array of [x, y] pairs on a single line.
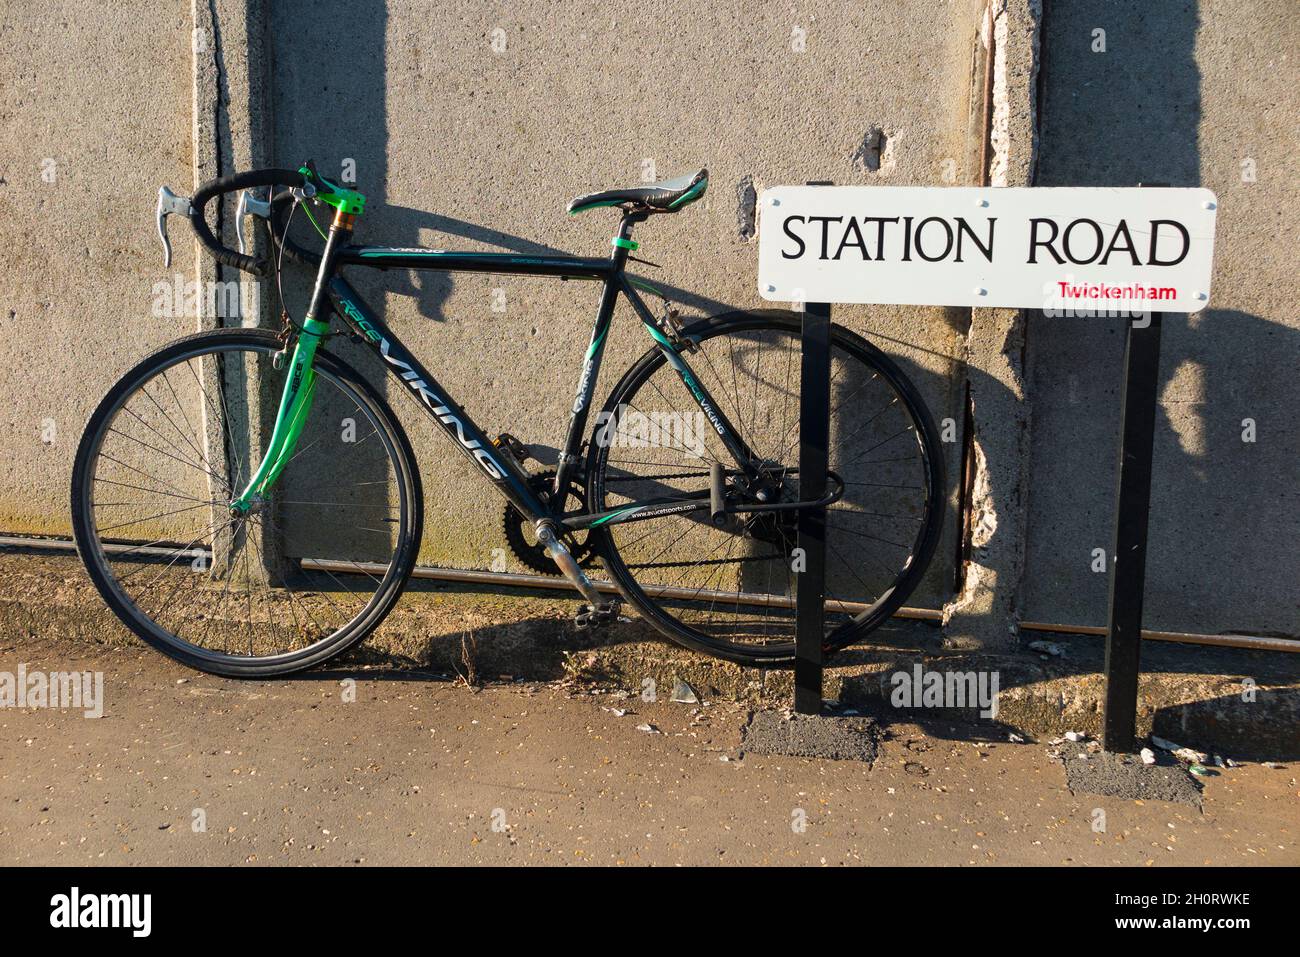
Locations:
{"points": [[471, 126], [1199, 95], [96, 114]]}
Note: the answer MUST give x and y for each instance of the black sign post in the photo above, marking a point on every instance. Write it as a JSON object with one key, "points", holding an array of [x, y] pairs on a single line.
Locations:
{"points": [[814, 436], [1128, 571], [1138, 402]]}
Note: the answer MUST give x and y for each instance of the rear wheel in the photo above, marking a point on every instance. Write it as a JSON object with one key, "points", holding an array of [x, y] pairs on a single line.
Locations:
{"points": [[306, 573], [729, 591]]}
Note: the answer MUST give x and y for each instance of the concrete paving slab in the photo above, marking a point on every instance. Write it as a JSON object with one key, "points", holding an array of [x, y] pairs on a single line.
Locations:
{"points": [[832, 737], [401, 768], [1239, 704], [1125, 776]]}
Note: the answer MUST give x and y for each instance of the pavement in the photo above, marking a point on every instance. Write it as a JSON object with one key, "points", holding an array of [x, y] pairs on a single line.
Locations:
{"points": [[369, 765], [1240, 704]]}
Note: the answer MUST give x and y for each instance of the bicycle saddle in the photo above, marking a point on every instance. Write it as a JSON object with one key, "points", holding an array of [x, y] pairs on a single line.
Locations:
{"points": [[666, 196]]}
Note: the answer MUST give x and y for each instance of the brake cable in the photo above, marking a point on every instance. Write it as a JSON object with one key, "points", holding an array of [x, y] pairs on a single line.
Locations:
{"points": [[290, 327], [320, 232]]}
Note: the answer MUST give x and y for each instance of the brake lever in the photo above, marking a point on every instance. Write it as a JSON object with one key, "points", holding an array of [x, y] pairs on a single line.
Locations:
{"points": [[168, 203], [250, 204]]}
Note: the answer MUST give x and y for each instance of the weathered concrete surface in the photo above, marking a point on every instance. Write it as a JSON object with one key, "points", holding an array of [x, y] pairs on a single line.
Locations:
{"points": [[95, 116], [1192, 94], [418, 771], [985, 612], [493, 131], [1125, 776], [1244, 704], [829, 737]]}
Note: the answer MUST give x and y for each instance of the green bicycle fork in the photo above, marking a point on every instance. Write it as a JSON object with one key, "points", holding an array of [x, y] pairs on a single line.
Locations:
{"points": [[295, 406]]}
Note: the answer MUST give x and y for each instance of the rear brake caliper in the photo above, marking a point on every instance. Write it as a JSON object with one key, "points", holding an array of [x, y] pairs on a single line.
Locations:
{"points": [[671, 325]]}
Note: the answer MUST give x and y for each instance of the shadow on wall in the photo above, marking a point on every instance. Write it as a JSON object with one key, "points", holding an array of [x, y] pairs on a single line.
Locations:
{"points": [[1121, 105], [349, 110], [1108, 119]]}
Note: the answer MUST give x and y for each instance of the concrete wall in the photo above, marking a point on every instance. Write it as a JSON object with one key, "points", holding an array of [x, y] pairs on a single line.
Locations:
{"points": [[462, 145], [471, 125], [1200, 95], [95, 115]]}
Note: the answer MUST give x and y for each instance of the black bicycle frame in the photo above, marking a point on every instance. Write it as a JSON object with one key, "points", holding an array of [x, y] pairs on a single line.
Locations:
{"points": [[500, 467]]}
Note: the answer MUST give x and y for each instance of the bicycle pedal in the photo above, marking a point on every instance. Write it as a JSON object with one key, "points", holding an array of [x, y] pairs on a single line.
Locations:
{"points": [[597, 616], [517, 450]]}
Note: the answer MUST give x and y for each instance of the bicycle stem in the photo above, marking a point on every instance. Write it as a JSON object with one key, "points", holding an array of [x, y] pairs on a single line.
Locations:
{"points": [[300, 386]]}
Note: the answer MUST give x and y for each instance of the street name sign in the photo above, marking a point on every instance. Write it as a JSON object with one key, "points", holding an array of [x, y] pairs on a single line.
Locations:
{"points": [[1076, 251]]}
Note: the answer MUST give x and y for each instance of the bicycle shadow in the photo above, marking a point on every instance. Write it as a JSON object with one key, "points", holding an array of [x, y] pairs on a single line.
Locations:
{"points": [[431, 293], [301, 77]]}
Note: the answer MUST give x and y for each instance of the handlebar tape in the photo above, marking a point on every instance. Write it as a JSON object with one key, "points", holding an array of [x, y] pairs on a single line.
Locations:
{"points": [[230, 184]]}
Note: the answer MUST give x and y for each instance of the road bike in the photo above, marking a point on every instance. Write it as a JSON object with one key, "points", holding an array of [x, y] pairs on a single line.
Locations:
{"points": [[247, 502]]}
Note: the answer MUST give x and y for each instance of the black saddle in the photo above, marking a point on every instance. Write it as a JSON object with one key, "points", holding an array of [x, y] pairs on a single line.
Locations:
{"points": [[666, 196]]}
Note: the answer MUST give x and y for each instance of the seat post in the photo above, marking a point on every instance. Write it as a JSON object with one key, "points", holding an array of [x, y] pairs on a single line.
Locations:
{"points": [[623, 243]]}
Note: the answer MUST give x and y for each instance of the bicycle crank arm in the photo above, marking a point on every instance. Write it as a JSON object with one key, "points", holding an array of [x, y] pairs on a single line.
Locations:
{"points": [[571, 569]]}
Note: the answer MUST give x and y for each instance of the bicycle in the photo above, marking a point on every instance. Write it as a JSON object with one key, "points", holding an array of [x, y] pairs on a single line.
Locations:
{"points": [[248, 536]]}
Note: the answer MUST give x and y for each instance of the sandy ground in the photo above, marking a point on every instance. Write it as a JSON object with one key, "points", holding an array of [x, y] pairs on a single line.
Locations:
{"points": [[185, 768]]}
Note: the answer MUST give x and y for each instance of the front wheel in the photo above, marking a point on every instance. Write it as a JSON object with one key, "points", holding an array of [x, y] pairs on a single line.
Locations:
{"points": [[311, 569], [727, 588]]}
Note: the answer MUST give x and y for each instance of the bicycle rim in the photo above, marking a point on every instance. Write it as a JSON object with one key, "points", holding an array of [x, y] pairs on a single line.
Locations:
{"points": [[309, 571], [730, 592]]}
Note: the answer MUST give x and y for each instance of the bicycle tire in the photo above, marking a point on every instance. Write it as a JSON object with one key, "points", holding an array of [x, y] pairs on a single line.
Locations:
{"points": [[777, 654], [93, 554]]}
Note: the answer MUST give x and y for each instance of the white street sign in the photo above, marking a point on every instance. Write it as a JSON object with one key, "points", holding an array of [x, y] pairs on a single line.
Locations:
{"points": [[1069, 251]]}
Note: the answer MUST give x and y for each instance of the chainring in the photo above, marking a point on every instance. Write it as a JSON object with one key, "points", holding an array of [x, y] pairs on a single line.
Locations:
{"points": [[528, 550]]}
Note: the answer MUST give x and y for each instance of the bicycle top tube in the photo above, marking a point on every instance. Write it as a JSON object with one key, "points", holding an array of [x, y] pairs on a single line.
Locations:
{"points": [[390, 257]]}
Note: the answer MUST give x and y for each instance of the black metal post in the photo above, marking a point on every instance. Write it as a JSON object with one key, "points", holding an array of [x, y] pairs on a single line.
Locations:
{"points": [[814, 435], [1128, 573]]}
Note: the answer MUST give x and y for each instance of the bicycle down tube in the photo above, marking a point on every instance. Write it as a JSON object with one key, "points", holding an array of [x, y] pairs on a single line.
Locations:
{"points": [[473, 441]]}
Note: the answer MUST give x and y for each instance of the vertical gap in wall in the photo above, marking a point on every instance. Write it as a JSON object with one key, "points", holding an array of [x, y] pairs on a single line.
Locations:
{"points": [[966, 470], [986, 107], [1040, 94], [269, 152], [221, 150], [966, 483]]}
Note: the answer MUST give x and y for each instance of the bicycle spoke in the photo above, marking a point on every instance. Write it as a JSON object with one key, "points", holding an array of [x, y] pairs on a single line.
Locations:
{"points": [[232, 594], [721, 586]]}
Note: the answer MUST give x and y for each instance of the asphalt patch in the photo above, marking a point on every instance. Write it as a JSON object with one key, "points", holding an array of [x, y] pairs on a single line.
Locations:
{"points": [[1125, 776], [833, 737]]}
